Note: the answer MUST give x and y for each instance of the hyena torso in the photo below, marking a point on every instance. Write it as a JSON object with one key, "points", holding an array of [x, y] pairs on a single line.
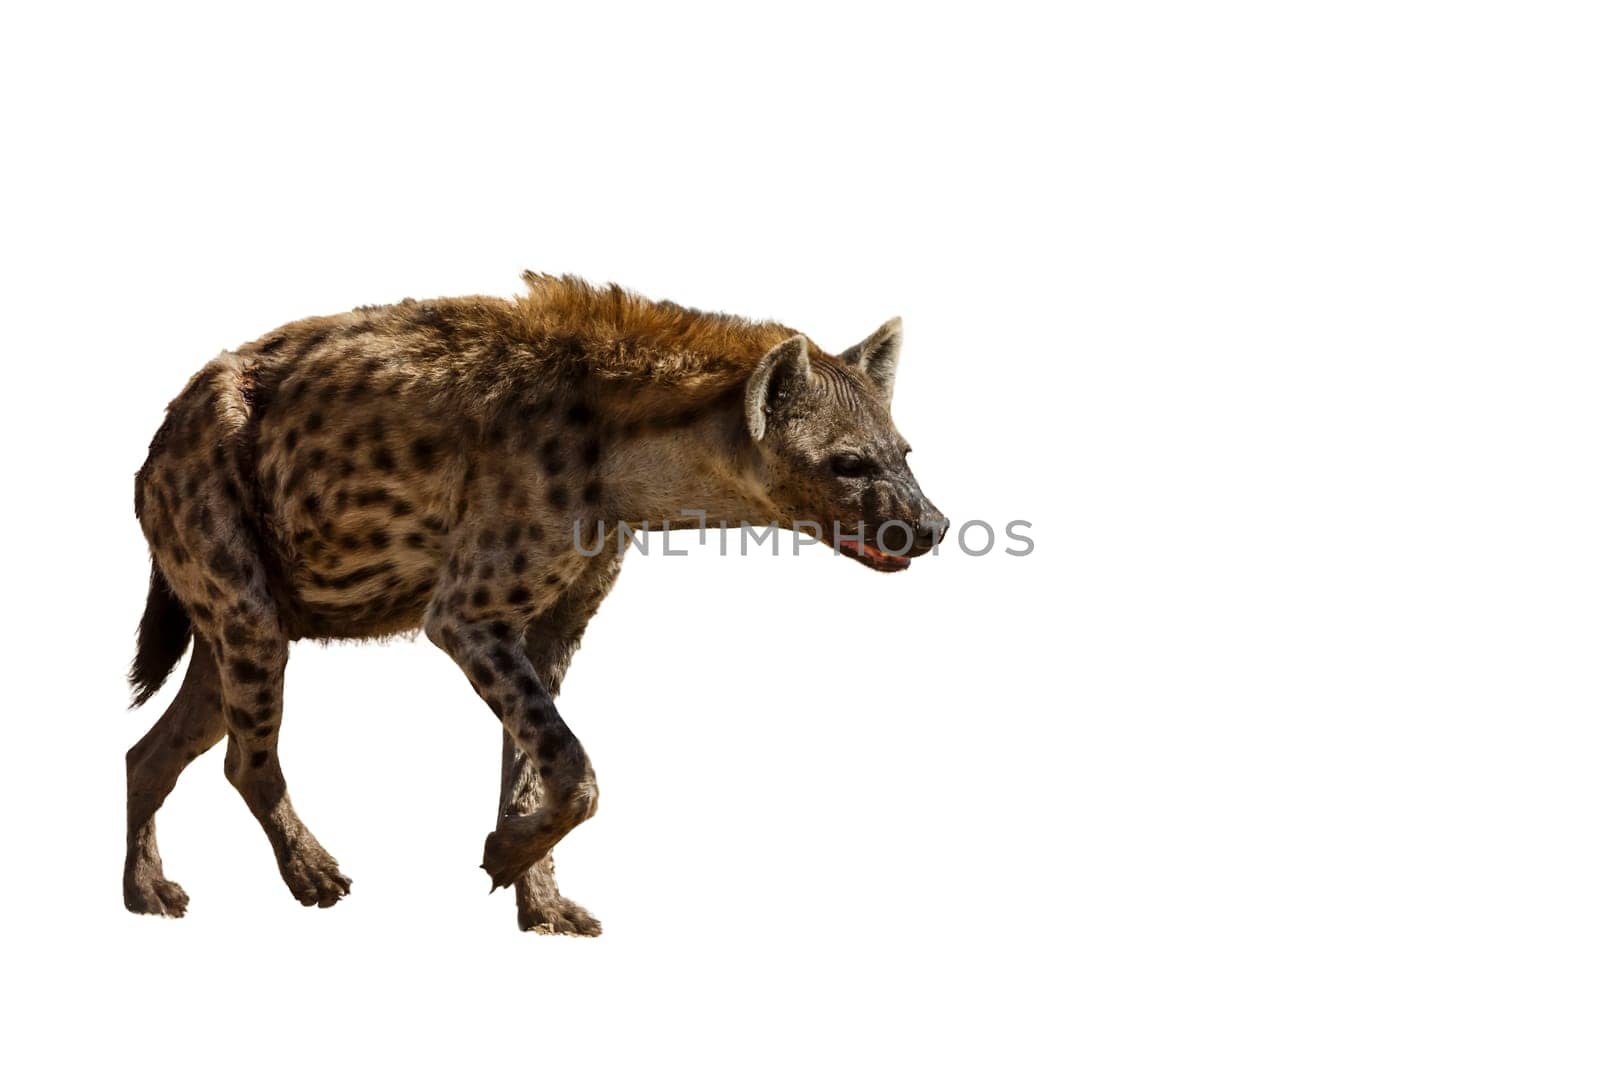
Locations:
{"points": [[442, 465]]}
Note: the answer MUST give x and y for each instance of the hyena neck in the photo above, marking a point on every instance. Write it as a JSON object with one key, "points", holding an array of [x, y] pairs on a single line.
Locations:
{"points": [[708, 464]]}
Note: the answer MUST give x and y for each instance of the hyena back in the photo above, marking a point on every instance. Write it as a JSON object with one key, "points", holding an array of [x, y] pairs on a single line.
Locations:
{"points": [[441, 465]]}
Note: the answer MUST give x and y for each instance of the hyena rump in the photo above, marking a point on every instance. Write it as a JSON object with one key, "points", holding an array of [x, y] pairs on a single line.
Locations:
{"points": [[447, 465]]}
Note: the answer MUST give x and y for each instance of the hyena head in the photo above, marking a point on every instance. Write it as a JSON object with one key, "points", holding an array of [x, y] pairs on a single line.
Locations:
{"points": [[831, 454]]}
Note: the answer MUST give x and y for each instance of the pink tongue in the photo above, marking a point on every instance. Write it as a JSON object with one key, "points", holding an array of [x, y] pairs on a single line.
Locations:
{"points": [[866, 549]]}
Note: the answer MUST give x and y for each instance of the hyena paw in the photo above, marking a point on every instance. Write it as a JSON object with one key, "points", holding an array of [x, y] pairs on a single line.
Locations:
{"points": [[313, 877], [155, 896], [557, 915], [510, 851]]}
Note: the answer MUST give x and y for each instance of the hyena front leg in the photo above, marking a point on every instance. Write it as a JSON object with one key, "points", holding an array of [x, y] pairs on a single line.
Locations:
{"points": [[540, 906], [480, 623], [188, 728], [550, 643]]}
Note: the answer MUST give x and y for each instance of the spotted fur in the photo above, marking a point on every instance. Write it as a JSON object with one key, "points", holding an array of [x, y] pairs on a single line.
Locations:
{"points": [[435, 465]]}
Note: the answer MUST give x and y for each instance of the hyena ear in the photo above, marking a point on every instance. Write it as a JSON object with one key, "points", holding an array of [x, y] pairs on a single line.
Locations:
{"points": [[782, 372], [878, 356]]}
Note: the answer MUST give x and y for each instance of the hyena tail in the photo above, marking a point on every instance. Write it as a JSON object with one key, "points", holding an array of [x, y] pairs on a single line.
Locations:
{"points": [[163, 635]]}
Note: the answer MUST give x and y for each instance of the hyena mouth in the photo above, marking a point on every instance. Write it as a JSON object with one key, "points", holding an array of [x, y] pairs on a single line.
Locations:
{"points": [[858, 548]]}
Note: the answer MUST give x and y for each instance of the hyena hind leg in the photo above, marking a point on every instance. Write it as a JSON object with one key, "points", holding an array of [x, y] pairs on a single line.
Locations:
{"points": [[188, 728], [255, 654], [223, 586], [540, 906]]}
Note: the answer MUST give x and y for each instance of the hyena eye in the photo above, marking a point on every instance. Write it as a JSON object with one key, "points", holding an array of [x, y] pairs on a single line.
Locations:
{"points": [[848, 465]]}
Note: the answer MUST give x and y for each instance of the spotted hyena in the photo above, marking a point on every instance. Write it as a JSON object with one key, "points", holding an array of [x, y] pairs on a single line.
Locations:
{"points": [[449, 465]]}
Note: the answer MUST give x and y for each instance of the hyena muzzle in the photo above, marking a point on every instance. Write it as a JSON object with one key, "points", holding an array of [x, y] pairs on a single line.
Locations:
{"points": [[450, 465]]}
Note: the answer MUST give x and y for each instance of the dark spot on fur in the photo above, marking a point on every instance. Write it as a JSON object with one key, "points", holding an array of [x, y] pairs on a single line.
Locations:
{"points": [[247, 670], [259, 759], [383, 459], [591, 493], [379, 539], [222, 563], [480, 596], [518, 595], [580, 414], [481, 673], [351, 578], [550, 456], [424, 453], [558, 496]]}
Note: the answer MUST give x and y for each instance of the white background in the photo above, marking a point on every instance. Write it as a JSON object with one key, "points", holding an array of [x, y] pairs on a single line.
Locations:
{"points": [[1277, 321]]}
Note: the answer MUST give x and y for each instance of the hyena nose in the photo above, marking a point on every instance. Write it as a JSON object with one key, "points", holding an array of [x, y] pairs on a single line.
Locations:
{"points": [[930, 531]]}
